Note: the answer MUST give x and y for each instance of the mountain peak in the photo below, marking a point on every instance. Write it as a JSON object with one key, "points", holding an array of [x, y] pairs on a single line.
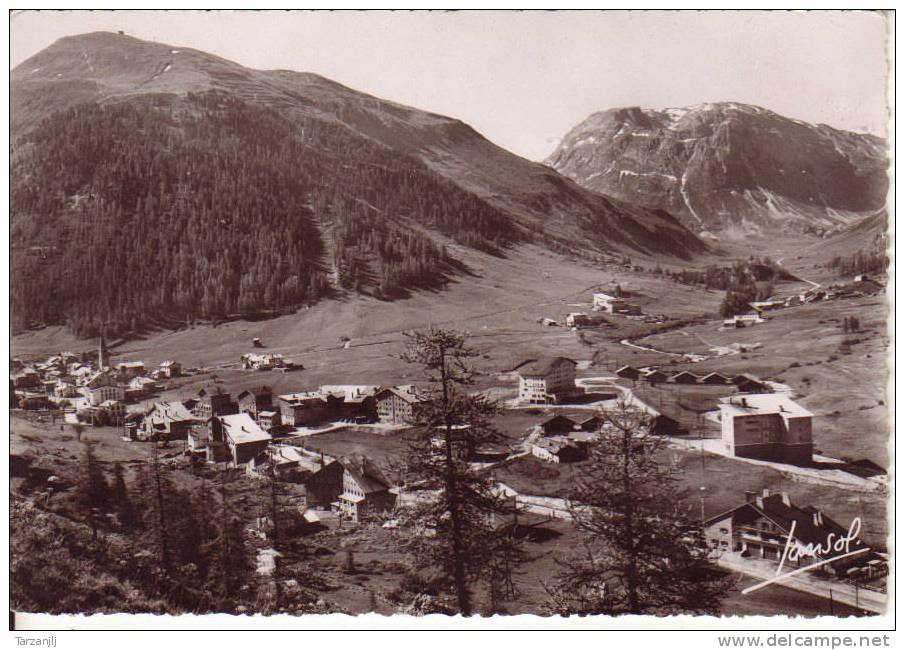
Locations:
{"points": [[727, 166]]}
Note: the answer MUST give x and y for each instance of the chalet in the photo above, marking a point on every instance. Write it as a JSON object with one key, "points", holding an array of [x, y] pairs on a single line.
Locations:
{"points": [[197, 442], [749, 384], [663, 425], [255, 400], [606, 302], [242, 436], [766, 305], [33, 401], [82, 374], [214, 401], [767, 427], [366, 492], [763, 526], [591, 424], [325, 483], [115, 411], [130, 369], [100, 388], [268, 419], [307, 408], [167, 421], [627, 372], [268, 361], [26, 378], [655, 376], [358, 401], [751, 317], [584, 320], [559, 424], [560, 449], [145, 385], [685, 377], [862, 277], [715, 379], [170, 369], [398, 404], [548, 380], [64, 388], [282, 461]]}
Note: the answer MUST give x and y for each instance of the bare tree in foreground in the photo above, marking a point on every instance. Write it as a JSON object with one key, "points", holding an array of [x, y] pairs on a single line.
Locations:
{"points": [[643, 553]]}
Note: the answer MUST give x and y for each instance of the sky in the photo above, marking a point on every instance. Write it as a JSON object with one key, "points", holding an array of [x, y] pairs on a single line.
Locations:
{"points": [[523, 79]]}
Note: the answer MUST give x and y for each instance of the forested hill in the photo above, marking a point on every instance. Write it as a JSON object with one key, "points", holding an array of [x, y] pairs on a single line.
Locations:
{"points": [[169, 209], [156, 185]]}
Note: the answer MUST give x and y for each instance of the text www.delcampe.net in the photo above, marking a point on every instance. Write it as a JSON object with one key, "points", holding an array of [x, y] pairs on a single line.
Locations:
{"points": [[804, 641]]}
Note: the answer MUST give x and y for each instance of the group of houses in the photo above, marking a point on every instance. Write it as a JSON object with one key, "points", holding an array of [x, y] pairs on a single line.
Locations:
{"points": [[745, 383], [88, 383], [223, 428], [562, 439], [244, 433], [265, 361], [861, 285]]}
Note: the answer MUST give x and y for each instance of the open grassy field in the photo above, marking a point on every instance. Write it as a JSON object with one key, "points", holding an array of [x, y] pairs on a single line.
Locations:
{"points": [[841, 378]]}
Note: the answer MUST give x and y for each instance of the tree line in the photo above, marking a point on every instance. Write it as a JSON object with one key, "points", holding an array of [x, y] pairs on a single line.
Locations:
{"points": [[870, 262]]}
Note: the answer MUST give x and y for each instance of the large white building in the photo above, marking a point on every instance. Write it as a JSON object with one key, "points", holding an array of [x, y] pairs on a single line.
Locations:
{"points": [[767, 427], [546, 381]]}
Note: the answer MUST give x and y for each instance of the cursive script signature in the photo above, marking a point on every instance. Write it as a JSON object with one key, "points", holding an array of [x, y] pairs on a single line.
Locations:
{"points": [[794, 550]]}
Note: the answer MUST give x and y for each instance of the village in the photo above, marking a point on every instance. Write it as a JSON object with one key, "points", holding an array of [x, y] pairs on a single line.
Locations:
{"points": [[333, 441]]}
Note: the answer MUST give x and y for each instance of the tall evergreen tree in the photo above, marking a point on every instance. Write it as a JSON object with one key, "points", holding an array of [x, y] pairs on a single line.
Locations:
{"points": [[451, 424], [643, 552]]}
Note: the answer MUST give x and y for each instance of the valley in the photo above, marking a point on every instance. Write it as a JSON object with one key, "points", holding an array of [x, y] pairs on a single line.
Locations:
{"points": [[281, 346], [499, 303]]}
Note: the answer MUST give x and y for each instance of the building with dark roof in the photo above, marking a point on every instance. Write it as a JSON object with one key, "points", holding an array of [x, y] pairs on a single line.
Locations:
{"points": [[548, 380], [255, 400], [628, 372], [397, 404], [366, 491], [761, 527], [685, 377], [558, 424]]}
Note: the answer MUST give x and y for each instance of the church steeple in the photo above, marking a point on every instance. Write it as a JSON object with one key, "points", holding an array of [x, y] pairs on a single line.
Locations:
{"points": [[103, 357]]}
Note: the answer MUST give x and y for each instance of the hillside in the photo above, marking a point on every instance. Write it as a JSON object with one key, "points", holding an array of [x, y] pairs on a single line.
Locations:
{"points": [[729, 168], [142, 171]]}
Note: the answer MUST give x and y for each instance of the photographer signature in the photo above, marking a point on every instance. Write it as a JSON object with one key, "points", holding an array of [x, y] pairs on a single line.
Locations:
{"points": [[795, 550]]}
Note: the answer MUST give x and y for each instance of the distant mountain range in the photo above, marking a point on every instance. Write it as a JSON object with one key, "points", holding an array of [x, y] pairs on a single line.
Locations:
{"points": [[153, 183], [728, 168]]}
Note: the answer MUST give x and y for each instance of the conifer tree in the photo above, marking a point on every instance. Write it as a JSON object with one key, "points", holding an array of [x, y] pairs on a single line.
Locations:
{"points": [[643, 552], [451, 424]]}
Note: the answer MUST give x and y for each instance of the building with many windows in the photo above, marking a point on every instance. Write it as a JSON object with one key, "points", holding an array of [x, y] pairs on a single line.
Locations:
{"points": [[767, 427], [546, 381]]}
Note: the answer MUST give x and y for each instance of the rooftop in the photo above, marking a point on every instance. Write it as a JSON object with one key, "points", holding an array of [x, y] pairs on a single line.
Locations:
{"points": [[763, 404], [541, 366], [242, 429], [407, 392]]}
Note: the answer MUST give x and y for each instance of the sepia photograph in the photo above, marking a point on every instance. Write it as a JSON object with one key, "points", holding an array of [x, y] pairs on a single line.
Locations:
{"points": [[443, 319]]}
